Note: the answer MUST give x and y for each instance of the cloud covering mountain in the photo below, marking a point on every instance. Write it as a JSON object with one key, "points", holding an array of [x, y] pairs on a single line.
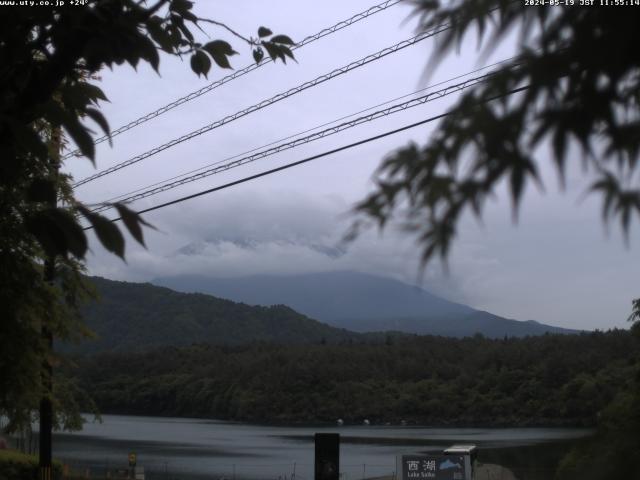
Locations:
{"points": [[538, 269], [359, 302]]}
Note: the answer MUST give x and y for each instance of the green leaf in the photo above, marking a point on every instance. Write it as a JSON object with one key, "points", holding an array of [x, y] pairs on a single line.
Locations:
{"points": [[264, 32], [560, 151], [28, 139], [258, 54], [70, 97], [219, 51], [273, 50], [287, 51], [517, 185], [180, 6], [42, 190], [149, 52], [91, 91], [80, 135], [54, 112], [282, 39], [219, 46], [159, 34], [278, 51], [76, 240], [97, 117], [48, 236], [609, 187], [106, 231], [132, 221], [178, 21], [200, 63], [58, 232], [187, 15]]}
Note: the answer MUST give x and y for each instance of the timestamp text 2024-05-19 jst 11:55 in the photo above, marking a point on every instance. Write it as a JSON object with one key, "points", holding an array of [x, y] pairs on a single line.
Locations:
{"points": [[582, 3]]}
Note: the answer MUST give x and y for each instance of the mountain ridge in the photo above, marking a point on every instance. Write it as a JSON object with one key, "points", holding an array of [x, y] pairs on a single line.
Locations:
{"points": [[361, 302]]}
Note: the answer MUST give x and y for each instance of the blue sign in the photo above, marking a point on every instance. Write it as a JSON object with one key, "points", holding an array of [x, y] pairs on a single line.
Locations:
{"points": [[433, 467]]}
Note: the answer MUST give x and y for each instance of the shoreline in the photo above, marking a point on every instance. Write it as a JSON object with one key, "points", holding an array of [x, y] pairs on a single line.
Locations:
{"points": [[408, 423]]}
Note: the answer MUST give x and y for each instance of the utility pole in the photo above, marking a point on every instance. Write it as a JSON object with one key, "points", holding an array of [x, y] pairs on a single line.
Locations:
{"points": [[46, 407], [327, 456]]}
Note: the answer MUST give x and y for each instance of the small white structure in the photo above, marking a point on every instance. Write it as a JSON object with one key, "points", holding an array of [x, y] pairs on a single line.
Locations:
{"points": [[470, 454], [366, 422], [340, 422]]}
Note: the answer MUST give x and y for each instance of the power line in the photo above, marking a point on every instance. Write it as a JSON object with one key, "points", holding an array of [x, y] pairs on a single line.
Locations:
{"points": [[125, 196], [270, 101], [239, 73], [304, 160], [303, 140]]}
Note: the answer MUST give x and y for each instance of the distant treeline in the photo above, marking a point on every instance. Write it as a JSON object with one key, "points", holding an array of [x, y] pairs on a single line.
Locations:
{"points": [[545, 380]]}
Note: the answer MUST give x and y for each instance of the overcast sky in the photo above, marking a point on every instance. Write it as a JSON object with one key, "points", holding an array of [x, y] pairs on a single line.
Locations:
{"points": [[558, 265]]}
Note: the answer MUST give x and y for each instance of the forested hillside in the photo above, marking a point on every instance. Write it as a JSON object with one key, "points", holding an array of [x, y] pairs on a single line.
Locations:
{"points": [[545, 380], [132, 316]]}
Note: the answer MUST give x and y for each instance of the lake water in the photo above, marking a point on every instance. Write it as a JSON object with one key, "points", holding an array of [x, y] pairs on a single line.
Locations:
{"points": [[179, 448]]}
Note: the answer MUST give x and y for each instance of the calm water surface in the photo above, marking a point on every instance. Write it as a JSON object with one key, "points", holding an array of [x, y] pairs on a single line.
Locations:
{"points": [[179, 448]]}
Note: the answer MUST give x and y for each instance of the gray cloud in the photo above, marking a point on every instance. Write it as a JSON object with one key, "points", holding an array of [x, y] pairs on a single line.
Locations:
{"points": [[545, 268]]}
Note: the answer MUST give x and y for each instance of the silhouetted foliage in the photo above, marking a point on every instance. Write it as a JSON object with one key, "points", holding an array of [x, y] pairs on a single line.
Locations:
{"points": [[580, 77], [48, 56], [19, 466], [613, 451], [578, 102]]}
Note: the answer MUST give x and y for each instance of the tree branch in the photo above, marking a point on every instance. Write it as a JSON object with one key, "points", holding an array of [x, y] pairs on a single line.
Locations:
{"points": [[229, 29]]}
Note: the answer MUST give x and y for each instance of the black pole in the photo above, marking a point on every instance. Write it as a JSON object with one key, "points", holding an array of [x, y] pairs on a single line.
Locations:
{"points": [[46, 407], [327, 456]]}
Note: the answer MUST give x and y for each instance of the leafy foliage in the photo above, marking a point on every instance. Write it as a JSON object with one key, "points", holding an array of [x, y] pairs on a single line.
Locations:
{"points": [[48, 59], [18, 466], [612, 452], [579, 91], [635, 313], [45, 57], [545, 380], [28, 303]]}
